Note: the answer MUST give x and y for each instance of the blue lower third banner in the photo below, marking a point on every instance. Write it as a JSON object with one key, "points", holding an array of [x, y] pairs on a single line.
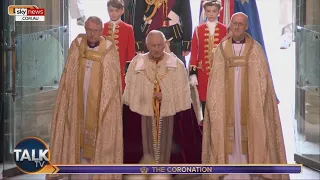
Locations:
{"points": [[171, 169]]}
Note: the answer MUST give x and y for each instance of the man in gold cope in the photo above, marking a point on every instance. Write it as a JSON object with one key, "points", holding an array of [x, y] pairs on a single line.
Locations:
{"points": [[87, 122], [242, 124], [162, 122]]}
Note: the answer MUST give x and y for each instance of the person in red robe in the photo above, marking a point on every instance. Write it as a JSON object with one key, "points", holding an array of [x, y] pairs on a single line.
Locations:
{"points": [[122, 34], [205, 40]]}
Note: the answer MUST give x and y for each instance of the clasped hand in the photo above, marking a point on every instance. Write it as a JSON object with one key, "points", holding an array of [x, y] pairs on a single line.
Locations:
{"points": [[158, 96]]}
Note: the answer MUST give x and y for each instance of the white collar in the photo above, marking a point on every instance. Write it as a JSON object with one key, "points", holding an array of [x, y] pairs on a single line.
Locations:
{"points": [[171, 61], [115, 22], [212, 23]]}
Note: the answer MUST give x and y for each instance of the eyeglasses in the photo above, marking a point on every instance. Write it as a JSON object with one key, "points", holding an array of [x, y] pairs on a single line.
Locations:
{"points": [[235, 24], [94, 31]]}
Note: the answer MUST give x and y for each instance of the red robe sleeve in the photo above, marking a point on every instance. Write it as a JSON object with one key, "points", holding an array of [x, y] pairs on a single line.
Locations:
{"points": [[131, 45], [194, 53]]}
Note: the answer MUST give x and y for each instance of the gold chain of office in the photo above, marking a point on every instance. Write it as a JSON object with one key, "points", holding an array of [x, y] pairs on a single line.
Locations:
{"points": [[152, 2]]}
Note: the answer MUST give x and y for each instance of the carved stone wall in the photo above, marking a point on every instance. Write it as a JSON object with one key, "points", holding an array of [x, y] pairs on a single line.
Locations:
{"points": [[55, 15]]}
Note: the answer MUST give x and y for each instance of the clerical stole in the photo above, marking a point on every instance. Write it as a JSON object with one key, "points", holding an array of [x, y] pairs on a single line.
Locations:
{"points": [[89, 96], [236, 101]]}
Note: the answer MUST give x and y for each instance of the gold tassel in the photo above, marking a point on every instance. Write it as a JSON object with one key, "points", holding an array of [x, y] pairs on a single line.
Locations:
{"points": [[156, 106]]}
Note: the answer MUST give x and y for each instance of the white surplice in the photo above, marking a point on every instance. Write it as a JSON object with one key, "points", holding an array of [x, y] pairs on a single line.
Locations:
{"points": [[237, 157], [86, 84]]}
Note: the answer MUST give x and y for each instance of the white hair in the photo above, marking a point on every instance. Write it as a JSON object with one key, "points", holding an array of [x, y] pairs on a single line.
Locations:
{"points": [[156, 32], [240, 13], [95, 20]]}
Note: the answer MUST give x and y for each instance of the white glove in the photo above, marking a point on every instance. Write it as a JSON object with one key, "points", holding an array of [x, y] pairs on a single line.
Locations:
{"points": [[193, 80]]}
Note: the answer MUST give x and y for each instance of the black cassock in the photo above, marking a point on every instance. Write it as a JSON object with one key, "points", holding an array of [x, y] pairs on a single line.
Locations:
{"points": [[172, 17]]}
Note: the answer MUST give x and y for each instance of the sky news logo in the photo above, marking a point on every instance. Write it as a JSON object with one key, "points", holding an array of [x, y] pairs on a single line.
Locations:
{"points": [[27, 12]]}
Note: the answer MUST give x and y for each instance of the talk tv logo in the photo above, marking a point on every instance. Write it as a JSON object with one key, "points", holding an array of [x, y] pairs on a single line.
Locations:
{"points": [[31, 155]]}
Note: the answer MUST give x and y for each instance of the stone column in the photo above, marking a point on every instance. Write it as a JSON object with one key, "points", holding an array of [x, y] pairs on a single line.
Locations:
{"points": [[313, 12], [285, 23], [285, 12]]}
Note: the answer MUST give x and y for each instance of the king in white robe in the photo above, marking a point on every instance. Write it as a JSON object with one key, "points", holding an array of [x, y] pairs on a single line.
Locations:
{"points": [[168, 129]]}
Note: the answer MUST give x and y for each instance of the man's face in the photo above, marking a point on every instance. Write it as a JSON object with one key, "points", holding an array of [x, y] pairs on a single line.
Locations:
{"points": [[211, 13], [115, 13], [156, 45], [238, 26], [93, 31]]}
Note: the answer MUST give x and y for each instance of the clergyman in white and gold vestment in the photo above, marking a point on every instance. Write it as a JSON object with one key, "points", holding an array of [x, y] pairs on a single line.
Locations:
{"points": [[242, 123], [158, 115], [87, 122]]}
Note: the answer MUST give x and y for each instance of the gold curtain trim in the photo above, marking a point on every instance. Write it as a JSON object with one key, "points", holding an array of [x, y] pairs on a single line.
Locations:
{"points": [[157, 4]]}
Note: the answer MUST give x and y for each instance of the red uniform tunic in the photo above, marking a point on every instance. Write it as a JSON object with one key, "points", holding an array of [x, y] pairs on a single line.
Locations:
{"points": [[124, 38], [202, 47]]}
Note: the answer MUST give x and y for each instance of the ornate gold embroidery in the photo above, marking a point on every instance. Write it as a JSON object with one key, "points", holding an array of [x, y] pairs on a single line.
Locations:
{"points": [[157, 121], [210, 46], [262, 101], [174, 29], [87, 137], [157, 4], [233, 62]]}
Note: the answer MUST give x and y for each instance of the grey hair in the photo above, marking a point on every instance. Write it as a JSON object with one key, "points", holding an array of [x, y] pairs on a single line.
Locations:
{"points": [[240, 13], [95, 20], [156, 32]]}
